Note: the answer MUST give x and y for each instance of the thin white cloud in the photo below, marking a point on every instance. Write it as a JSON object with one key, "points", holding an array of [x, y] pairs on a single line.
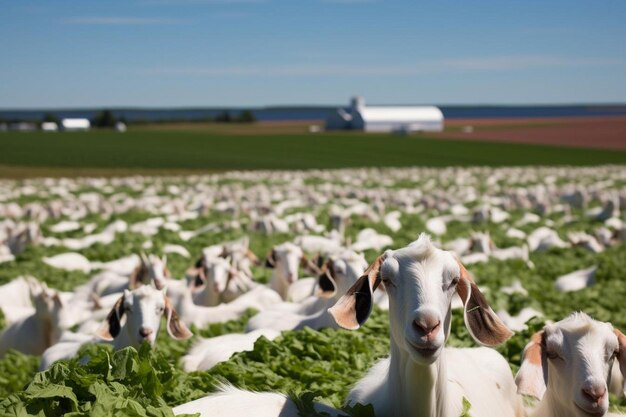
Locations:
{"points": [[485, 64], [120, 21]]}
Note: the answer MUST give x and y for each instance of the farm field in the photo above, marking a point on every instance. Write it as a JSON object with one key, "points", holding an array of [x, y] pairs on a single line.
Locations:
{"points": [[607, 132], [516, 229], [197, 148]]}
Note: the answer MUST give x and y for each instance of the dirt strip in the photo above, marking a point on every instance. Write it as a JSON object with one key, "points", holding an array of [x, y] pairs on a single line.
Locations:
{"points": [[587, 132]]}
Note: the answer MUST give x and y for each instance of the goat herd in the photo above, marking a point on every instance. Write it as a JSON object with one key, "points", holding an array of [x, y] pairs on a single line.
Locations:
{"points": [[90, 261]]}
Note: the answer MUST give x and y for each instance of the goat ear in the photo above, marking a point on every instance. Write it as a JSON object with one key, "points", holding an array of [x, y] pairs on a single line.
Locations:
{"points": [[309, 265], [200, 262], [159, 283], [253, 258], [175, 328], [483, 324], [134, 280], [326, 285], [270, 260], [56, 298], [621, 354], [532, 377], [111, 326], [351, 311], [198, 280]]}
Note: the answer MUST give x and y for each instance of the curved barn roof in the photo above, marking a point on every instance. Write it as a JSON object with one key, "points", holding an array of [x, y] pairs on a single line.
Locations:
{"points": [[401, 114]]}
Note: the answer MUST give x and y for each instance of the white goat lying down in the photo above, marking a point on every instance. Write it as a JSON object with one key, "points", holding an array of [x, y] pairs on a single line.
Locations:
{"points": [[207, 353], [259, 298], [36, 332], [339, 273], [422, 377], [233, 402], [285, 259], [150, 268], [217, 281], [568, 364], [142, 308]]}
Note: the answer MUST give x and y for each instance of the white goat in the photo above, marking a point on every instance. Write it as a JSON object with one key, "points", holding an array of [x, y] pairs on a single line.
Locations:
{"points": [[232, 402], [544, 238], [35, 333], [577, 280], [207, 353], [70, 261], [217, 281], [143, 308], [259, 298], [567, 366], [151, 268], [340, 273], [422, 377], [370, 239], [518, 322], [285, 259]]}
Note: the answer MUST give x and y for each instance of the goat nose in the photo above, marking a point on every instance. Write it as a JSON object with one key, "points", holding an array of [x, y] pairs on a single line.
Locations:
{"points": [[427, 326], [145, 332], [594, 392]]}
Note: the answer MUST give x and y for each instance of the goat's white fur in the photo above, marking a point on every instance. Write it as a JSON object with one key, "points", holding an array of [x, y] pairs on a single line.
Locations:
{"points": [[421, 377], [568, 365]]}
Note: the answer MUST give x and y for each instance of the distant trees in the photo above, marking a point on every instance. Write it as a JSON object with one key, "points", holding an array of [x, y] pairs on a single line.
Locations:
{"points": [[245, 116], [223, 117], [50, 117], [104, 119]]}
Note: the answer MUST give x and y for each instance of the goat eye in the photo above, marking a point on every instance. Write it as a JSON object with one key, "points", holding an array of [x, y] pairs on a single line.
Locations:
{"points": [[552, 355], [454, 282], [386, 280]]}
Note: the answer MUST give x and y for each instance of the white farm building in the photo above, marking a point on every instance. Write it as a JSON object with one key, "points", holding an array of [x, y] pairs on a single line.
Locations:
{"points": [[75, 124], [386, 118]]}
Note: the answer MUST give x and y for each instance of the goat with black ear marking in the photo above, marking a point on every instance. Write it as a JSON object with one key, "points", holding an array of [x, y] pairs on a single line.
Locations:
{"points": [[285, 259], [340, 272], [422, 377], [568, 364], [143, 308]]}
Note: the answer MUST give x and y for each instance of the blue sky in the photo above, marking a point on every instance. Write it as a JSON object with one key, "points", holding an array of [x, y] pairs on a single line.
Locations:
{"points": [[271, 52]]}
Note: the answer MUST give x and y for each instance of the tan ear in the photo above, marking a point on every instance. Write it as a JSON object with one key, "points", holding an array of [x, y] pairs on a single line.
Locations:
{"points": [[111, 326], [309, 266], [621, 355], [56, 298], [250, 255], [326, 285], [175, 328], [136, 277], [532, 377], [483, 324], [351, 311], [270, 260]]}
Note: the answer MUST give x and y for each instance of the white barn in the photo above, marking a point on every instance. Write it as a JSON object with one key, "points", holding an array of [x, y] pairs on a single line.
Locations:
{"points": [[386, 118], [49, 127], [75, 124]]}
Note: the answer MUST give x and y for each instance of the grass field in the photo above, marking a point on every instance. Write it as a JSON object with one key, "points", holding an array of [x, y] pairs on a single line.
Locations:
{"points": [[149, 150]]}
